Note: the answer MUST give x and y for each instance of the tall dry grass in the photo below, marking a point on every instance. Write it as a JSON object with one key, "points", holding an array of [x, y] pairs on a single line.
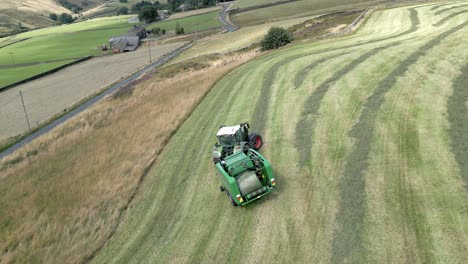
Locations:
{"points": [[64, 201]]}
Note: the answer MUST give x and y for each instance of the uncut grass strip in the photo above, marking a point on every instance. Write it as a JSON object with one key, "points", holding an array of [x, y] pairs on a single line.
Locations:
{"points": [[305, 126], [458, 119], [347, 237], [449, 17]]}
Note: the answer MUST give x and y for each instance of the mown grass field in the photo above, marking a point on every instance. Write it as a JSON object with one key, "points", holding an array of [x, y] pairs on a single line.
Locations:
{"points": [[12, 75], [366, 135], [191, 23]]}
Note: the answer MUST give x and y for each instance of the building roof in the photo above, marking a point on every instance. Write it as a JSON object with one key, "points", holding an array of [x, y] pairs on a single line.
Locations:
{"points": [[124, 43], [228, 130], [134, 31]]}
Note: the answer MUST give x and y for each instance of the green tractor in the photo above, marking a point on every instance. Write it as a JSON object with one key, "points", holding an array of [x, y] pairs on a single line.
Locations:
{"points": [[233, 139], [245, 174]]}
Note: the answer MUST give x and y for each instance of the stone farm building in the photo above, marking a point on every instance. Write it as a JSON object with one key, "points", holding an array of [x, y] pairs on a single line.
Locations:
{"points": [[128, 41]]}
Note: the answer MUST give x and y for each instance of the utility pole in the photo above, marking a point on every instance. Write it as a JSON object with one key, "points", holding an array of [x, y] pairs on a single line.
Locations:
{"points": [[24, 108], [149, 48]]}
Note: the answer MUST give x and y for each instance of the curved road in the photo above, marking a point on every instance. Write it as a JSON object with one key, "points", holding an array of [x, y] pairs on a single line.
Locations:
{"points": [[223, 15], [93, 100]]}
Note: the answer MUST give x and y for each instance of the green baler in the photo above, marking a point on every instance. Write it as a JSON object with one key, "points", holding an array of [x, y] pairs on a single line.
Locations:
{"points": [[245, 176]]}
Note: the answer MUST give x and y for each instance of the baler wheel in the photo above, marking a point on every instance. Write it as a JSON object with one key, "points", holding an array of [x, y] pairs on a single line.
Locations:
{"points": [[231, 200]]}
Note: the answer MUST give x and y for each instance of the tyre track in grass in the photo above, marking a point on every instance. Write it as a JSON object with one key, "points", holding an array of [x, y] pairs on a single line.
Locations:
{"points": [[458, 119], [347, 237], [305, 126], [449, 17]]}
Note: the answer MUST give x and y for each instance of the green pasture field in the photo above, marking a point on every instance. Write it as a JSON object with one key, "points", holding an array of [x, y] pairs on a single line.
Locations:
{"points": [[56, 47], [191, 23], [297, 9], [249, 3], [366, 138], [91, 24], [12, 75]]}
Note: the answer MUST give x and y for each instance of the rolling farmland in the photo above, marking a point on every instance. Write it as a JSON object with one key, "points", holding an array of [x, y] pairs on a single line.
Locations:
{"points": [[367, 138], [56, 93]]}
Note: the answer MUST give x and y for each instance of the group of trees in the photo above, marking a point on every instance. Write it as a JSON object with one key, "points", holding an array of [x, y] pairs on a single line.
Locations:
{"points": [[63, 18], [70, 6]]}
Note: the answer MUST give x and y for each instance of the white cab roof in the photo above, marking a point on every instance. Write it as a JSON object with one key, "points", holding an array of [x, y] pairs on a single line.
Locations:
{"points": [[228, 130]]}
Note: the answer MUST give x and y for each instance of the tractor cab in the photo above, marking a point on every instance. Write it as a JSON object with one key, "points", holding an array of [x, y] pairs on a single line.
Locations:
{"points": [[229, 136], [233, 139]]}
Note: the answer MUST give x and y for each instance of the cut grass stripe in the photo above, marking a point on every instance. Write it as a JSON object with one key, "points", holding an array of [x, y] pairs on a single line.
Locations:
{"points": [[458, 118], [443, 20], [305, 126], [350, 218]]}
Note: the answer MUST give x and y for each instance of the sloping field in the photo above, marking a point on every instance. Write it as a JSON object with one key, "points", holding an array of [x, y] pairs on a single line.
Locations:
{"points": [[294, 9], [53, 94], [30, 13], [190, 23], [367, 138]]}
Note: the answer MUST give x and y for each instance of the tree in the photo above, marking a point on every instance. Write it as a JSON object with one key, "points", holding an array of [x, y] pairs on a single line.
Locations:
{"points": [[163, 31], [123, 1], [122, 11], [178, 29], [148, 14], [275, 38], [156, 31], [65, 18], [53, 17]]}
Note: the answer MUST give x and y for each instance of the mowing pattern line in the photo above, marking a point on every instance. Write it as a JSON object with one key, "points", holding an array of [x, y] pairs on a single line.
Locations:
{"points": [[304, 129], [458, 118], [350, 218], [262, 106], [449, 17], [447, 9]]}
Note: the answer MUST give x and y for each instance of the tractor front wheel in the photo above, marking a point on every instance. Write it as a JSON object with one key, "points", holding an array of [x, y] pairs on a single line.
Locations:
{"points": [[256, 141]]}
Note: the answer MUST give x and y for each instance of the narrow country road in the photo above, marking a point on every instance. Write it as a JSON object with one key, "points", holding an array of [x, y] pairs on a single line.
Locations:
{"points": [[223, 18], [93, 100]]}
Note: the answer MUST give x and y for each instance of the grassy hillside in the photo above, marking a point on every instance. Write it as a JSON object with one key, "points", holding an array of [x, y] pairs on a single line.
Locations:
{"points": [[361, 137], [15, 14]]}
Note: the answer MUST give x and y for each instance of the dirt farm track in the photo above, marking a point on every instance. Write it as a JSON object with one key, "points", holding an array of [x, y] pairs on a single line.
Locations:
{"points": [[51, 95]]}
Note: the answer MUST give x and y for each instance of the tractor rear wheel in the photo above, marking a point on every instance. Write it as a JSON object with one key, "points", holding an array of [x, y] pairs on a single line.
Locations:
{"points": [[256, 141]]}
